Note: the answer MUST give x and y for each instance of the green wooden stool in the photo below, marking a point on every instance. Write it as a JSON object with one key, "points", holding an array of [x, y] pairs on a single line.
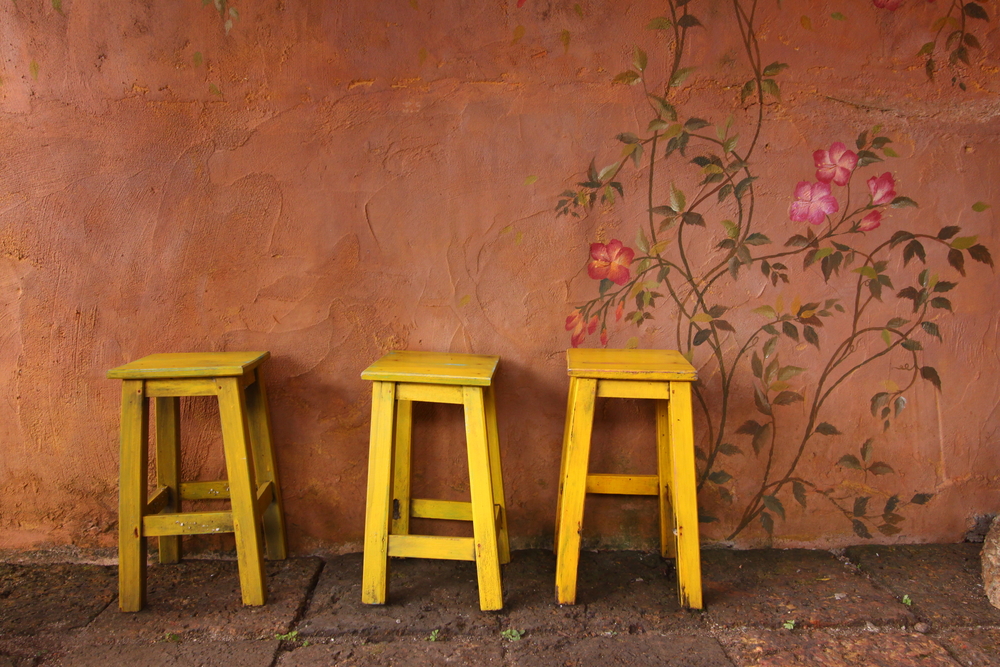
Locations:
{"points": [[252, 486]]}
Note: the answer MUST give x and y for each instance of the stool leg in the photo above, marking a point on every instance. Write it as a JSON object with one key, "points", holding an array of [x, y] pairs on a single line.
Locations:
{"points": [[580, 422], [481, 490], [685, 495], [668, 541], [266, 467], [132, 497], [242, 490], [375, 575], [562, 463], [168, 462], [496, 474], [401, 469]]}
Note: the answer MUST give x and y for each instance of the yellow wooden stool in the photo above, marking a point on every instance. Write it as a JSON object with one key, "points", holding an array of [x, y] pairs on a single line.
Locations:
{"points": [[465, 379], [662, 375], [252, 487]]}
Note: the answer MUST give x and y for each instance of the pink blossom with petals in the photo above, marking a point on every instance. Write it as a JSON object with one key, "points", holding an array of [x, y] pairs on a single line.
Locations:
{"points": [[870, 221], [835, 164], [883, 188], [610, 261], [813, 202], [619, 310], [575, 323], [891, 5]]}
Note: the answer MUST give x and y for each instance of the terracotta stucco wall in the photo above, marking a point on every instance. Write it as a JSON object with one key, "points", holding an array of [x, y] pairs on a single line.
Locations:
{"points": [[329, 181]]}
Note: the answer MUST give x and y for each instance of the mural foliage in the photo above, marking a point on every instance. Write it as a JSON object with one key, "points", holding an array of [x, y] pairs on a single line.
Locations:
{"points": [[691, 242]]}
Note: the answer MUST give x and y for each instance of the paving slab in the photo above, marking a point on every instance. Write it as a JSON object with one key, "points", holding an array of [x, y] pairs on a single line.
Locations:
{"points": [[200, 599], [620, 650], [244, 653], [943, 581], [972, 647], [766, 588], [53, 597], [424, 595], [629, 592], [833, 648], [408, 652]]}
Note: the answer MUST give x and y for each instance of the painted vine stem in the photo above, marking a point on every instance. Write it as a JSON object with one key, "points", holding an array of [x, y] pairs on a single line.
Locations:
{"points": [[664, 271]]}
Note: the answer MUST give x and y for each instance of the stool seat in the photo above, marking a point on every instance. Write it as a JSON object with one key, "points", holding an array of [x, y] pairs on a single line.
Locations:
{"points": [[256, 516], [475, 370], [659, 365], [399, 379], [664, 376], [189, 365]]}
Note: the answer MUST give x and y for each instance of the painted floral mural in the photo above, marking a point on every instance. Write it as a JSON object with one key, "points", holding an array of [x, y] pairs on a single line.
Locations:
{"points": [[874, 286]]}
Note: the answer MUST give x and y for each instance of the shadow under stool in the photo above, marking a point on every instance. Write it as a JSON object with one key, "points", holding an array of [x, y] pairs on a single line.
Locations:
{"points": [[664, 376], [400, 378], [256, 516]]}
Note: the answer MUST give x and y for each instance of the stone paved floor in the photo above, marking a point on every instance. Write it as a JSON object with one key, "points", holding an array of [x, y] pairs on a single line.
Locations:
{"points": [[871, 605]]}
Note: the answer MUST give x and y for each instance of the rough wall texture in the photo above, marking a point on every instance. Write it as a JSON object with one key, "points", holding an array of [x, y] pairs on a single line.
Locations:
{"points": [[329, 181]]}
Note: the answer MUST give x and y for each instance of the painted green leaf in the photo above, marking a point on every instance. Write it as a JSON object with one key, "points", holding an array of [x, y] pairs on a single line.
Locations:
{"points": [[57, 5], [627, 77], [912, 345], [660, 23], [720, 477], [770, 87], [837, 16], [799, 491], [214, 90], [729, 450], [881, 468], [902, 202], [964, 242], [826, 428], [640, 240], [787, 398], [760, 400], [886, 337], [981, 253], [771, 345], [980, 206], [789, 330], [921, 498], [688, 21], [888, 529], [749, 427], [788, 372], [975, 11], [774, 68], [930, 374], [761, 438], [198, 59], [757, 239], [564, 37], [33, 69], [702, 336], [639, 59], [773, 504], [850, 461], [860, 529], [866, 450], [932, 329], [578, 9], [680, 76], [678, 201], [810, 336], [889, 152], [766, 311], [767, 522], [518, 34], [899, 405], [860, 505]]}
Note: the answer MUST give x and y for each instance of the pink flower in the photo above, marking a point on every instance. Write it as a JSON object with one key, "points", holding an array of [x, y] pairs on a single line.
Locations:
{"points": [[835, 164], [604, 337], [870, 221], [610, 261], [619, 310], [813, 202], [883, 188], [580, 327], [891, 5]]}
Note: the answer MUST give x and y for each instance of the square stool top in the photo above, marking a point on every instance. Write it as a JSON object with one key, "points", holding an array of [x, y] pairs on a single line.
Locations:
{"points": [[657, 365], [189, 365], [433, 368]]}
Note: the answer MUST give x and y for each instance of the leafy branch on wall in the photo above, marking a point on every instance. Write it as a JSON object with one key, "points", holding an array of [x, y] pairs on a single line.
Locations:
{"points": [[691, 243]]}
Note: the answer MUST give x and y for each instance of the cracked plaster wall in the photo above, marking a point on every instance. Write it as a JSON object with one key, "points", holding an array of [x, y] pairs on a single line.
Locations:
{"points": [[329, 181]]}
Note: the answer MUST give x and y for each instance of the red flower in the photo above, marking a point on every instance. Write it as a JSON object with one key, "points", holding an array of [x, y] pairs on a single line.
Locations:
{"points": [[604, 337], [891, 5], [580, 327], [619, 310], [870, 221], [610, 261], [813, 202], [835, 164], [883, 188]]}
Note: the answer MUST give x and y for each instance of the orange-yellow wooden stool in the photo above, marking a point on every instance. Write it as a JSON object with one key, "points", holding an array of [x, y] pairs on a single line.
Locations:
{"points": [[664, 376], [252, 487], [399, 378]]}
